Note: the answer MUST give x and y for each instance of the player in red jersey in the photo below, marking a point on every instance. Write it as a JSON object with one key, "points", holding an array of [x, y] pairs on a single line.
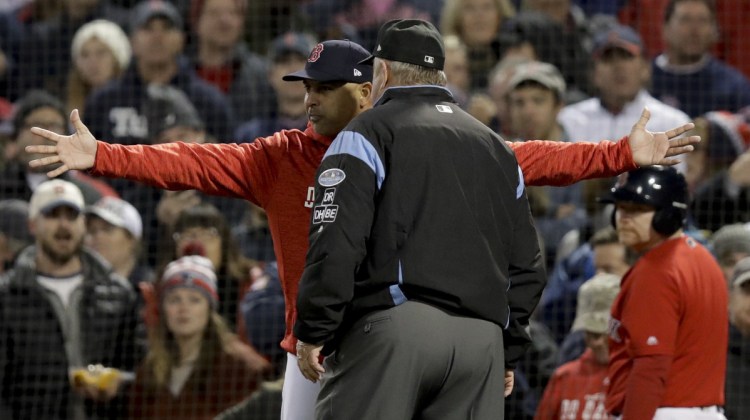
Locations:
{"points": [[278, 172], [669, 327], [576, 390]]}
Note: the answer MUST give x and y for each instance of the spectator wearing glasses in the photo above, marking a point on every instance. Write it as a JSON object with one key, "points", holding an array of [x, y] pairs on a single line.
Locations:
{"points": [[17, 179]]}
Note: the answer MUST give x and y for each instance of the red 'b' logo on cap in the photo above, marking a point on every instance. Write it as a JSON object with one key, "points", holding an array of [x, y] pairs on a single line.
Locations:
{"points": [[315, 53]]}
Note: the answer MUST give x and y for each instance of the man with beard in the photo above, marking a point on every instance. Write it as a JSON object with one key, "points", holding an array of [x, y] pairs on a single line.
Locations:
{"points": [[62, 308]]}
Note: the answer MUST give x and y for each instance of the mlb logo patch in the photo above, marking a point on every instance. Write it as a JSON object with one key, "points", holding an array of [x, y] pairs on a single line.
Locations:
{"points": [[331, 177], [429, 59], [444, 109]]}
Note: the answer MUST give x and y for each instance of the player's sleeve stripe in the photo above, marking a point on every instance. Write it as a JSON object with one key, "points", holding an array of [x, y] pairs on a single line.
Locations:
{"points": [[356, 145]]}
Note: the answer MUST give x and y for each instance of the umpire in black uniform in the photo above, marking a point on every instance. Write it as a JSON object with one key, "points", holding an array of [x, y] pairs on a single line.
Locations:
{"points": [[424, 265]]}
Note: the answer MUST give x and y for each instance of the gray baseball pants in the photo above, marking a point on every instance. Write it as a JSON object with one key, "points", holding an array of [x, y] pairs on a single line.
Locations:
{"points": [[415, 361]]}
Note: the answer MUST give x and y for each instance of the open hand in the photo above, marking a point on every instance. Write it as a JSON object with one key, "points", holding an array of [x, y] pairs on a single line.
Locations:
{"points": [[659, 148], [77, 151]]}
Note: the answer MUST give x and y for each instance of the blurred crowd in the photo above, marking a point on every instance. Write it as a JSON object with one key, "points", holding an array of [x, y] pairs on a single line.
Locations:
{"points": [[167, 273]]}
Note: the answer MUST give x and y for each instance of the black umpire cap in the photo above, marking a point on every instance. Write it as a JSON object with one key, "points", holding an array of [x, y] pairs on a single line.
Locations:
{"points": [[335, 61], [412, 41]]}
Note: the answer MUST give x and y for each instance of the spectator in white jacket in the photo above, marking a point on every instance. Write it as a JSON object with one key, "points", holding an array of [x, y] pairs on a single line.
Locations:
{"points": [[620, 73]]}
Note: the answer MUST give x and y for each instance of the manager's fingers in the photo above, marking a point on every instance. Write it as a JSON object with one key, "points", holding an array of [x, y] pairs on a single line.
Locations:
{"points": [[49, 135], [679, 130], [44, 161], [673, 151], [57, 172], [46, 149]]}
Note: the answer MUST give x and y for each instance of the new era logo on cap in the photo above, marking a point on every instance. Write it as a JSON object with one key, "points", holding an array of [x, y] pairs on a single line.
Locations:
{"points": [[357, 73]]}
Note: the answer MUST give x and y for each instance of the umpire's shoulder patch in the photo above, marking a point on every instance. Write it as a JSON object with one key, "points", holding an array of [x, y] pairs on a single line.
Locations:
{"points": [[331, 177]]}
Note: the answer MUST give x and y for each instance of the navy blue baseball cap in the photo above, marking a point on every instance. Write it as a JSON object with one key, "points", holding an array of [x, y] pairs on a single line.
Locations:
{"points": [[335, 61], [412, 41], [146, 10], [618, 36], [291, 42]]}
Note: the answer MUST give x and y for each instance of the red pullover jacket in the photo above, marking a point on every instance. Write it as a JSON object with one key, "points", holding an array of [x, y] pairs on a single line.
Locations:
{"points": [[277, 173]]}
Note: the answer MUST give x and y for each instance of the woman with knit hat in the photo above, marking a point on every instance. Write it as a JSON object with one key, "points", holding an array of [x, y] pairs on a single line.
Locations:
{"points": [[101, 52], [195, 367]]}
